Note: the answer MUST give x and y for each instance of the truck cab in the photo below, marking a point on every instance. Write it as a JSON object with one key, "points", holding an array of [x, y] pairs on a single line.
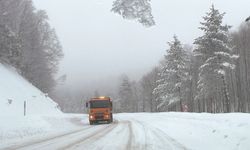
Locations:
{"points": [[100, 110]]}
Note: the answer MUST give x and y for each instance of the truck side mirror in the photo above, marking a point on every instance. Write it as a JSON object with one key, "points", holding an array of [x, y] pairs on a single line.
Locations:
{"points": [[87, 104]]}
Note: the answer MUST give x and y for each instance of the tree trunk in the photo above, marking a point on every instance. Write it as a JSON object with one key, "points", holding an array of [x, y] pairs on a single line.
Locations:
{"points": [[225, 91], [179, 89]]}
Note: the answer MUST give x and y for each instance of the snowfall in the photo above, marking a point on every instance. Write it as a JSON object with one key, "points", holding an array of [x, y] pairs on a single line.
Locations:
{"points": [[45, 127]]}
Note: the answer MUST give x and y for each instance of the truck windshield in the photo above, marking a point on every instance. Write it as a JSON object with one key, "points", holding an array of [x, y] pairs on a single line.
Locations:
{"points": [[99, 104]]}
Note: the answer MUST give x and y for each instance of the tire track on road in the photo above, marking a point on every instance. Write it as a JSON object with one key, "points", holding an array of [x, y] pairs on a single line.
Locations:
{"points": [[137, 128], [165, 137], [146, 144], [33, 143], [162, 136], [93, 137], [131, 136]]}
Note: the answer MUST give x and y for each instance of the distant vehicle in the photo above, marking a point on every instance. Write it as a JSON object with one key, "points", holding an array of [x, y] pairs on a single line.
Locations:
{"points": [[100, 110]]}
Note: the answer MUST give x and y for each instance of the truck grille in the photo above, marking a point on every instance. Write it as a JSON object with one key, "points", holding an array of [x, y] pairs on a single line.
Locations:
{"points": [[99, 116]]}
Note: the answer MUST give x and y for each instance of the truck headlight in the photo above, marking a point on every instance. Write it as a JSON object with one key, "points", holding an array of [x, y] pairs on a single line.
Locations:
{"points": [[91, 117]]}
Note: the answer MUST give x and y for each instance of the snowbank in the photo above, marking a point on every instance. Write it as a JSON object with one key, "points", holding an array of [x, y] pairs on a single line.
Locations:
{"points": [[38, 127], [14, 90], [200, 130]]}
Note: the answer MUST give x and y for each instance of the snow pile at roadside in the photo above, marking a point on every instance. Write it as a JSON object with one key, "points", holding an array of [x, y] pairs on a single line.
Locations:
{"points": [[38, 127], [14, 90], [199, 130]]}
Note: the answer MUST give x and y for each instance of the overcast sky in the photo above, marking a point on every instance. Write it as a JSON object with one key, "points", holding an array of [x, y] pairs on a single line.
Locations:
{"points": [[99, 44]]}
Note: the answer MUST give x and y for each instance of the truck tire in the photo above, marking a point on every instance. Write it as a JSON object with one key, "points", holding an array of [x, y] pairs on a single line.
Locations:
{"points": [[111, 120], [91, 122]]}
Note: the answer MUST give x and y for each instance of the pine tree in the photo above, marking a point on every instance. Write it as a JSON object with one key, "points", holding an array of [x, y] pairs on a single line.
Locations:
{"points": [[173, 76], [139, 10], [126, 95], [214, 51]]}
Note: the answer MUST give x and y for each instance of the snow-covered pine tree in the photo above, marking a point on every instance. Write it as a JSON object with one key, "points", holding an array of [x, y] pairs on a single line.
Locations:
{"points": [[139, 10], [214, 51], [126, 95], [173, 76]]}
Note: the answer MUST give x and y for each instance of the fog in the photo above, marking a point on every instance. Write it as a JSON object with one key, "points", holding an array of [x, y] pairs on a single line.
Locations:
{"points": [[99, 45]]}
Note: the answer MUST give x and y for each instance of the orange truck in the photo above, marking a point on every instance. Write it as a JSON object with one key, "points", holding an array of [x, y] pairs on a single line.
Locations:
{"points": [[100, 110]]}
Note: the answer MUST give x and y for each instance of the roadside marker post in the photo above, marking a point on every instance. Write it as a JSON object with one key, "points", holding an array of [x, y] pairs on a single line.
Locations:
{"points": [[24, 105]]}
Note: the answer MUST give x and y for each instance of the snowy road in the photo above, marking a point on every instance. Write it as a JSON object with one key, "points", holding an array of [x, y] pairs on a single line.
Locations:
{"points": [[162, 131], [119, 135]]}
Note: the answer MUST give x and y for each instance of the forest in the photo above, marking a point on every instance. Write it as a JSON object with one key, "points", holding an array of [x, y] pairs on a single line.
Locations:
{"points": [[29, 43], [209, 75], [212, 74]]}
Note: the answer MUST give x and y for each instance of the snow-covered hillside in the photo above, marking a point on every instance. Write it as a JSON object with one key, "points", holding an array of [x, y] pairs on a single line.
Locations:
{"points": [[14, 90]]}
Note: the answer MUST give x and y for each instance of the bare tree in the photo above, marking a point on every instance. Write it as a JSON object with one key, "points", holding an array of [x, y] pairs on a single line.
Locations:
{"points": [[34, 48]]}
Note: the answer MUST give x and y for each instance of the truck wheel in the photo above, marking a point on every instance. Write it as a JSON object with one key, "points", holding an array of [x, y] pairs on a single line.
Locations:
{"points": [[111, 120]]}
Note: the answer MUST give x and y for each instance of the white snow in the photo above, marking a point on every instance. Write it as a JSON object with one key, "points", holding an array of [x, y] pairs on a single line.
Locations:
{"points": [[14, 90], [222, 72], [228, 65], [45, 127], [24, 129], [198, 131], [153, 131]]}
